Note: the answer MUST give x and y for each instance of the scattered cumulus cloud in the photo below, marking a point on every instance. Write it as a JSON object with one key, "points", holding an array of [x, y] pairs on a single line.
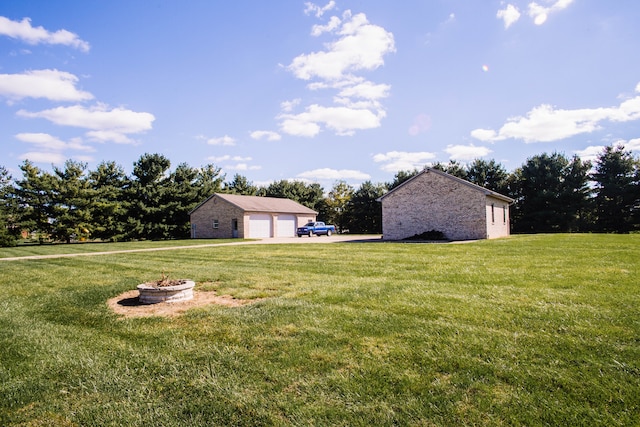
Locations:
{"points": [[537, 12], [540, 13], [49, 84], [510, 15], [266, 134], [342, 120], [51, 149], [333, 174], [357, 46], [318, 11], [104, 123], [360, 46], [546, 123], [590, 153], [223, 140], [24, 31], [394, 161], [466, 152]]}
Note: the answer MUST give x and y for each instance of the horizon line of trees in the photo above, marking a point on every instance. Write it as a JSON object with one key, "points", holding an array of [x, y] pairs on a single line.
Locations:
{"points": [[552, 193]]}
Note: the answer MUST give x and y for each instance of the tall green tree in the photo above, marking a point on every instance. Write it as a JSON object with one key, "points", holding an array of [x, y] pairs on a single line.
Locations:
{"points": [[364, 212], [8, 228], [547, 185], [488, 174], [180, 196], [146, 212], [617, 188], [240, 185], [309, 195], [210, 180], [336, 204], [109, 184], [34, 198], [72, 197]]}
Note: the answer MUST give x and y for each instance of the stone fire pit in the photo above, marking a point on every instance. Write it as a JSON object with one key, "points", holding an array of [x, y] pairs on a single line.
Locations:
{"points": [[166, 291]]}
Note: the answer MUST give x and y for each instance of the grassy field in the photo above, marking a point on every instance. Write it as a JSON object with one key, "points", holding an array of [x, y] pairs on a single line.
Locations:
{"points": [[530, 330]]}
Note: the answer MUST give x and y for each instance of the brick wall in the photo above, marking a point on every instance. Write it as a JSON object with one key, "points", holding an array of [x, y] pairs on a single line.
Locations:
{"points": [[432, 201], [216, 208]]}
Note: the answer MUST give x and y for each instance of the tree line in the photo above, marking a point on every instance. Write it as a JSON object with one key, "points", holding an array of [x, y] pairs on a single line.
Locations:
{"points": [[552, 193]]}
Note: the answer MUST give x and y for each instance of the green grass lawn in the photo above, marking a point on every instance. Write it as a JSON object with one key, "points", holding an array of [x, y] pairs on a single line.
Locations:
{"points": [[530, 330]]}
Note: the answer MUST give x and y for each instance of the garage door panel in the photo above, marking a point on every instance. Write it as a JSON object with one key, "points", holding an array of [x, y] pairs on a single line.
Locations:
{"points": [[286, 226], [259, 226]]}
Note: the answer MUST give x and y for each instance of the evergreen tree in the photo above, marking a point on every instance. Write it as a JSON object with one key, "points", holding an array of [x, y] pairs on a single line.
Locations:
{"points": [[8, 227], [146, 216], [310, 195], [617, 183], [552, 194], [109, 184], [488, 174], [208, 181], [72, 196], [33, 195], [401, 177], [240, 185], [364, 212]]}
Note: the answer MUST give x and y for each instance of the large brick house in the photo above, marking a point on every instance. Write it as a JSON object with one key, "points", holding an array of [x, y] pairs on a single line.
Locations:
{"points": [[434, 200], [229, 216]]}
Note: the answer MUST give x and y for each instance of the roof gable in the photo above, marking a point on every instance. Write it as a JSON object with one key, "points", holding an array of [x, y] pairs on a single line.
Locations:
{"points": [[261, 204], [485, 191]]}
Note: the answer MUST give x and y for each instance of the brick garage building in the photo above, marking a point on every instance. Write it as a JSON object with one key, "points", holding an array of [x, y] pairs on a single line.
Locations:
{"points": [[224, 216], [434, 200]]}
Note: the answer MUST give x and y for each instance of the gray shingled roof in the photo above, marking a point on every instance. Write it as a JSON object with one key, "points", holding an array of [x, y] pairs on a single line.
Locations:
{"points": [[263, 204]]}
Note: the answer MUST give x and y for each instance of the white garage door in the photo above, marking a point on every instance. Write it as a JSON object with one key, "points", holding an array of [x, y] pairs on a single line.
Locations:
{"points": [[259, 226], [286, 225]]}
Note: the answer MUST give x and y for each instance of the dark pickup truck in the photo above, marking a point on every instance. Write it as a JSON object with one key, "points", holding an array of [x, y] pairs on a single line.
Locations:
{"points": [[318, 228]]}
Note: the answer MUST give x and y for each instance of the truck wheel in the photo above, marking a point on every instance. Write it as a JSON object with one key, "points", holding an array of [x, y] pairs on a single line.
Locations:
{"points": [[328, 233]]}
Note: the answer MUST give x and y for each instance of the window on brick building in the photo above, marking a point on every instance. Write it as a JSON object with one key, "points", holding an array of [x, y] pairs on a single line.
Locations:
{"points": [[215, 224]]}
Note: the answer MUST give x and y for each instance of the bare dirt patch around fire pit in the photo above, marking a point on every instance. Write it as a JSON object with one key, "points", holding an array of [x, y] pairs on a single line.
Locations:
{"points": [[128, 305]]}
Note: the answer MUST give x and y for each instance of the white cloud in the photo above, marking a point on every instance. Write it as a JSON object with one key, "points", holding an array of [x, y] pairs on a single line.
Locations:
{"points": [[105, 124], [267, 134], [22, 30], [318, 11], [318, 30], [466, 152], [401, 160], [590, 153], [44, 157], [343, 120], [50, 142], [241, 167], [545, 123], [109, 136], [288, 106], [366, 90], [633, 144], [50, 84], [509, 15], [98, 117], [333, 174], [540, 13], [227, 157], [224, 140], [360, 46]]}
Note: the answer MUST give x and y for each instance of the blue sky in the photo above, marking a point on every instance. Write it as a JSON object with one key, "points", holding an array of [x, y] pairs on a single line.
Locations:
{"points": [[347, 89]]}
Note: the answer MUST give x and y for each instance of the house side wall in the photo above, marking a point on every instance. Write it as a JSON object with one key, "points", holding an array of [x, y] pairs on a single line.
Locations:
{"points": [[216, 209], [497, 218], [434, 202]]}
